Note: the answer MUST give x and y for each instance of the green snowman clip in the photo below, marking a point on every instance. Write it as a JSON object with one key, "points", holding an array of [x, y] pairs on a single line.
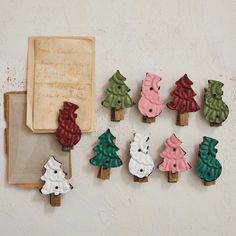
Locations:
{"points": [[215, 110]]}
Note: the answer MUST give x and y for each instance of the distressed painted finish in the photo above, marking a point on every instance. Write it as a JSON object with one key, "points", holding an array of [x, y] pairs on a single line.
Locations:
{"points": [[140, 164], [208, 167], [173, 156], [54, 178], [183, 96], [117, 93], [215, 110], [105, 150], [150, 104], [68, 132]]}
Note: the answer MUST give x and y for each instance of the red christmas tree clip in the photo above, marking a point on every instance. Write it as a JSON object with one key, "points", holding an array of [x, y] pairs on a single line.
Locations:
{"points": [[183, 101], [68, 132]]}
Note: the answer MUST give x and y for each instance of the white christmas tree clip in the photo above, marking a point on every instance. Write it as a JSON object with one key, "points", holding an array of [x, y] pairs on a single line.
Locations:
{"points": [[55, 182]]}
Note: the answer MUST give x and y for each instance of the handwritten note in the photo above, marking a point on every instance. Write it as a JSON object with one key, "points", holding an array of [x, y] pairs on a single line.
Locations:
{"points": [[63, 71]]}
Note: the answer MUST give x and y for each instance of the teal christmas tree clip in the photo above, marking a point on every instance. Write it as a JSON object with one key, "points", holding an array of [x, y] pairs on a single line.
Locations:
{"points": [[106, 156]]}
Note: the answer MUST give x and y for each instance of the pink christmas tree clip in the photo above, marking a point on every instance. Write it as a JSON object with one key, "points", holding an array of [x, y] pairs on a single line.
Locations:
{"points": [[174, 161], [150, 105]]}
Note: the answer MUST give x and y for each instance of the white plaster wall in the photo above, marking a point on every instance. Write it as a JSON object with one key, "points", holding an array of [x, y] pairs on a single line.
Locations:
{"points": [[170, 38]]}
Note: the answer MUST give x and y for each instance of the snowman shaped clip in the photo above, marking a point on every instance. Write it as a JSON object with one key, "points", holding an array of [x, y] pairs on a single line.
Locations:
{"points": [[141, 164]]}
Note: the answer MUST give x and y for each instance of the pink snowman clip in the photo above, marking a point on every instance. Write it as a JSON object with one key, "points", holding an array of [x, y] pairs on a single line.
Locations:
{"points": [[173, 159], [150, 104]]}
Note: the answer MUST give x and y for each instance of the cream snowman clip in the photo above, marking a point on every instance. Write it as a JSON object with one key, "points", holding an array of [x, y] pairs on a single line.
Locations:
{"points": [[141, 164]]}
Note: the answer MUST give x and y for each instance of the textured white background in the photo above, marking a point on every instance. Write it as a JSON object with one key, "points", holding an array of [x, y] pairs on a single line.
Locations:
{"points": [[169, 38]]}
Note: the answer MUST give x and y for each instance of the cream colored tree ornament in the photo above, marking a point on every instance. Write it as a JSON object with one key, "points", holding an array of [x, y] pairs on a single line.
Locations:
{"points": [[141, 164], [55, 182]]}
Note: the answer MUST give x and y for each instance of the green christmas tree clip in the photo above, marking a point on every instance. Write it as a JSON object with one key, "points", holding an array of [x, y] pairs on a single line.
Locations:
{"points": [[106, 156], [117, 97], [208, 167]]}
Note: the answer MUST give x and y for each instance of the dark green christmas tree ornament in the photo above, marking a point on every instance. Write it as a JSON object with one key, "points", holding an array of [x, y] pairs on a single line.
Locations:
{"points": [[117, 97], [215, 110], [106, 156], [208, 167]]}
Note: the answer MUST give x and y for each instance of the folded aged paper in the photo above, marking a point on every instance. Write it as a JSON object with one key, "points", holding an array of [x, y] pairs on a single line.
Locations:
{"points": [[59, 69], [28, 152]]}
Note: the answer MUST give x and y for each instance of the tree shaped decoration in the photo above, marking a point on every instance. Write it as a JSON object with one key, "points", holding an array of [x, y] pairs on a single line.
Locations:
{"points": [[55, 182], [174, 161], [183, 101], [106, 156], [141, 164], [117, 97], [208, 167], [68, 132], [215, 110], [150, 105]]}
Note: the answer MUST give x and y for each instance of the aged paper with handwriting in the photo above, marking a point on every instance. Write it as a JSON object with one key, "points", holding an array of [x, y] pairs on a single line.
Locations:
{"points": [[63, 70]]}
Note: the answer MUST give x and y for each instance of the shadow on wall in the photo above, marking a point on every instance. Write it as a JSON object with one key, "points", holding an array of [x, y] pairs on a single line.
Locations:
{"points": [[89, 168], [168, 113], [192, 179], [202, 105], [163, 176], [100, 110]]}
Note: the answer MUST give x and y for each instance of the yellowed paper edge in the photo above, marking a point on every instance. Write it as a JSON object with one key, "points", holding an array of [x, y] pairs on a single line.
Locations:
{"points": [[30, 81]]}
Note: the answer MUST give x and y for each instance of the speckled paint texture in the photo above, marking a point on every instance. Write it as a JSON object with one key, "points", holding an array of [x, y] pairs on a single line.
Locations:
{"points": [[168, 38]]}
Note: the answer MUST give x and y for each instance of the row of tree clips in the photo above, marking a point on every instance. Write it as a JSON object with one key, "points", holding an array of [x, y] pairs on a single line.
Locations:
{"points": [[150, 106]]}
